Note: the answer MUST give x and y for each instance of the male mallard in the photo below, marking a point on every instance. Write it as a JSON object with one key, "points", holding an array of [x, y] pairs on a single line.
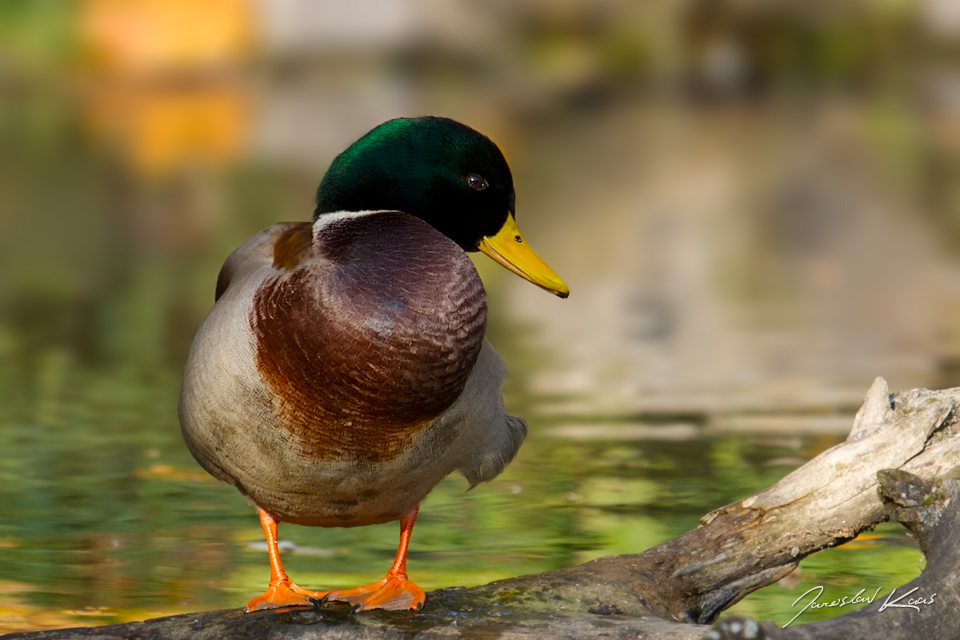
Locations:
{"points": [[343, 370]]}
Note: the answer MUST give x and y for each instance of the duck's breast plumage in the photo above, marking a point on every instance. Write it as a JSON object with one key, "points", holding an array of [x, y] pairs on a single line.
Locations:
{"points": [[343, 371]]}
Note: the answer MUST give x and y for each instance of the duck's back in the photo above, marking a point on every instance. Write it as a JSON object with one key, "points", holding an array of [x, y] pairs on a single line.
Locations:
{"points": [[332, 364]]}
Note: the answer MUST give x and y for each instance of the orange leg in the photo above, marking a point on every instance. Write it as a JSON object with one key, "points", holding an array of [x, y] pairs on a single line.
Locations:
{"points": [[394, 591], [281, 592]]}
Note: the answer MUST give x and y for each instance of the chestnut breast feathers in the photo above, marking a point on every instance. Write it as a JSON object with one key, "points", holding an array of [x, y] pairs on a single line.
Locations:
{"points": [[373, 338]]}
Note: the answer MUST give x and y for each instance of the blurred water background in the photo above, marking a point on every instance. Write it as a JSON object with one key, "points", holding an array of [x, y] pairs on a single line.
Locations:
{"points": [[756, 206]]}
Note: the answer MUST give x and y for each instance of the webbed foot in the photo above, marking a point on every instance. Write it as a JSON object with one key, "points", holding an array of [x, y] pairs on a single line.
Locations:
{"points": [[394, 592]]}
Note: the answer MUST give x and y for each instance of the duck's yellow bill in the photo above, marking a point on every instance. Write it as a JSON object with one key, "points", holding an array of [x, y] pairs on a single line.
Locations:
{"points": [[510, 249]]}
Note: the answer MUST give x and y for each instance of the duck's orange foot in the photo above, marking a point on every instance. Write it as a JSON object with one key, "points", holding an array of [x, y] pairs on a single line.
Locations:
{"points": [[394, 592], [285, 593]]}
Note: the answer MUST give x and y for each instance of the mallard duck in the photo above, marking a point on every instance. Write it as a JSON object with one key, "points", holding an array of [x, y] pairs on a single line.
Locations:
{"points": [[343, 370]]}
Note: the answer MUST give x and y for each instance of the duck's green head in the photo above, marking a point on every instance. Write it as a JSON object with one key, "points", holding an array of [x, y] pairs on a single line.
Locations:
{"points": [[445, 173]]}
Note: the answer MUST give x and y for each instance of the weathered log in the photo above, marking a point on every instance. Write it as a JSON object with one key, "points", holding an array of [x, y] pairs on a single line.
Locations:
{"points": [[923, 608], [690, 579]]}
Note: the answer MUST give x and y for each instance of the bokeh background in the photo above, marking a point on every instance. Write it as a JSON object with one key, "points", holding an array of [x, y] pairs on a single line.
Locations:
{"points": [[755, 204]]}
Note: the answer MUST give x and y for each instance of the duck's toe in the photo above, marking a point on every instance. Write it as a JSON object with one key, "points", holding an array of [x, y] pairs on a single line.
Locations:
{"points": [[394, 592], [285, 594]]}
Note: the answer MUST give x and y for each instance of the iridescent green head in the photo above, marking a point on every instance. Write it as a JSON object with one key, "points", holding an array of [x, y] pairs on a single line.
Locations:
{"points": [[437, 169], [445, 173]]}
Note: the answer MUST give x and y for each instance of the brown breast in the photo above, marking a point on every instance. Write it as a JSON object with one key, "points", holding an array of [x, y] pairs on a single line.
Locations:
{"points": [[370, 340]]}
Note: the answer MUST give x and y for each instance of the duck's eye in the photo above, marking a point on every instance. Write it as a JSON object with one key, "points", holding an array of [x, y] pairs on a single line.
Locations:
{"points": [[476, 181]]}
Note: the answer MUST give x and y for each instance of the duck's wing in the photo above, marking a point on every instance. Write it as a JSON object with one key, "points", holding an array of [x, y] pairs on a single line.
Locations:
{"points": [[488, 438], [283, 246]]}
